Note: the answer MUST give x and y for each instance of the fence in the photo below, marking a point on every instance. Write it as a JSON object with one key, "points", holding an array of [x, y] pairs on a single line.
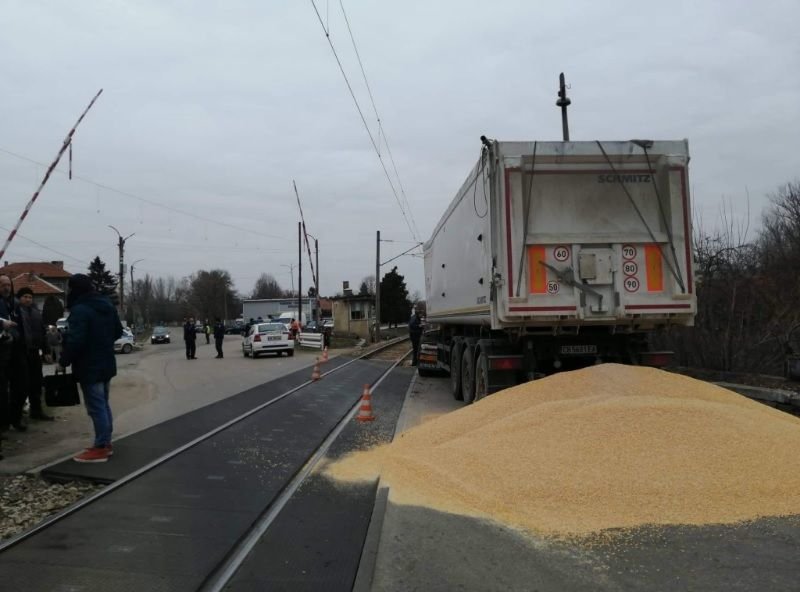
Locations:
{"points": [[312, 340]]}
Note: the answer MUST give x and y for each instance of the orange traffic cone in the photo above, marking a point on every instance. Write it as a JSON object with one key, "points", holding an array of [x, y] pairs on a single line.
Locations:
{"points": [[315, 373], [365, 412], [325, 354]]}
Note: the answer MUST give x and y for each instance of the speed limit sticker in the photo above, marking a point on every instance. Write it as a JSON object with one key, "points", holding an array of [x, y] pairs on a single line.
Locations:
{"points": [[630, 268], [561, 253], [628, 252], [631, 284], [553, 287]]}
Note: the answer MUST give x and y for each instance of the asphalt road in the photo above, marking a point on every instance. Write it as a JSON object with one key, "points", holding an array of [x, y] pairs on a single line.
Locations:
{"points": [[153, 384]]}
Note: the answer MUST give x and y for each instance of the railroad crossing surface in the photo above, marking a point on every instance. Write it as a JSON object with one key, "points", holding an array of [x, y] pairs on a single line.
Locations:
{"points": [[236, 502]]}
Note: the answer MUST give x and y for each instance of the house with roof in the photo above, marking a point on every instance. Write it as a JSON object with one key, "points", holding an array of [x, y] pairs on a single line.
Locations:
{"points": [[47, 280], [353, 313]]}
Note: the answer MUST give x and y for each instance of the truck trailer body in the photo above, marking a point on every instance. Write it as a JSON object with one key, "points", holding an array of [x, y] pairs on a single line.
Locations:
{"points": [[555, 254]]}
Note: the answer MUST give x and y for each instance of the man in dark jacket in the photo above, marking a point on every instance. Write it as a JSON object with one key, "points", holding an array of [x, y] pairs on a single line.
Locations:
{"points": [[33, 332], [415, 333], [219, 336], [190, 338], [12, 366], [94, 326], [7, 330]]}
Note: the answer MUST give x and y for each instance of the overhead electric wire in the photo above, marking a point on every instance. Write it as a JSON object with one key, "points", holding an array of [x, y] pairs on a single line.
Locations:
{"points": [[364, 121], [45, 247], [381, 131], [145, 200], [406, 252]]}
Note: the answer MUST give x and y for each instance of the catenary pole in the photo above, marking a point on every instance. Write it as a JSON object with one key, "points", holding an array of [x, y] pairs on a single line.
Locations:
{"points": [[378, 287], [67, 143]]}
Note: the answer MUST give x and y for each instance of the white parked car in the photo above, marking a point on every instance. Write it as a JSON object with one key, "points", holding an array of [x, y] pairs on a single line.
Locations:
{"points": [[125, 343], [267, 337]]}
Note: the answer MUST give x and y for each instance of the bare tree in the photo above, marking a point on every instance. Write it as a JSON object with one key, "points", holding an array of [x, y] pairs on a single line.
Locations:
{"points": [[267, 287]]}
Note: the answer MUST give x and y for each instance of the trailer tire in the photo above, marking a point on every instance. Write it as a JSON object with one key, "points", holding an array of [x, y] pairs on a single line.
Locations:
{"points": [[455, 372], [481, 377], [468, 375]]}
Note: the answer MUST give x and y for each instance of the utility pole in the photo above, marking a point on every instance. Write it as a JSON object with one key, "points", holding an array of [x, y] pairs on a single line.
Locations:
{"points": [[317, 311], [300, 272], [133, 287], [378, 287], [121, 245], [291, 273]]}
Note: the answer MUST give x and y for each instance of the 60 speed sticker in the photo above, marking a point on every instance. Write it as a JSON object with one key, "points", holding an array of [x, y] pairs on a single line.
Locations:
{"points": [[561, 253]]}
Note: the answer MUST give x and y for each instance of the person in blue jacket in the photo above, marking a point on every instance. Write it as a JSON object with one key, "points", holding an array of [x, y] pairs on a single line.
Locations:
{"points": [[94, 326]]}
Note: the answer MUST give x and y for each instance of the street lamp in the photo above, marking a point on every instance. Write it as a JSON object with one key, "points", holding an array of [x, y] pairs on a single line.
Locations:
{"points": [[121, 245], [316, 283]]}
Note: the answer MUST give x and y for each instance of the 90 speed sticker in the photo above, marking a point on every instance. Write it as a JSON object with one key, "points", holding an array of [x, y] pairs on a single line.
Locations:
{"points": [[631, 284]]}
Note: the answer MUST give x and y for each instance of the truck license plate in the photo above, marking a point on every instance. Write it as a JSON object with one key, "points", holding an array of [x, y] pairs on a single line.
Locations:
{"points": [[578, 349]]}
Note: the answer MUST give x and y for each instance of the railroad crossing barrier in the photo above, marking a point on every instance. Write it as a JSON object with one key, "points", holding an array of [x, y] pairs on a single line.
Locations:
{"points": [[312, 340]]}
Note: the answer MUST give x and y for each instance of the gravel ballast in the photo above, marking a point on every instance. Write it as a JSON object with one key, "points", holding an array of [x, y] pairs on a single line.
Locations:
{"points": [[26, 500], [609, 446]]}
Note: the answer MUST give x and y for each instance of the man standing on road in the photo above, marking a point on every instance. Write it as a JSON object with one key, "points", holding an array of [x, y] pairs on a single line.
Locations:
{"points": [[33, 332], [7, 331], [190, 337], [94, 326], [219, 336], [207, 331], [415, 333]]}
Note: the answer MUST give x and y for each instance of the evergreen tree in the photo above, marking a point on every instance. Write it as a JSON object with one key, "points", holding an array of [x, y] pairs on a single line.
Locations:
{"points": [[395, 306], [104, 281]]}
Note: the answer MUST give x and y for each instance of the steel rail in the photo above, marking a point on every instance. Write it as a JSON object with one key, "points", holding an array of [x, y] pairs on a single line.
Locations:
{"points": [[72, 509], [225, 571]]}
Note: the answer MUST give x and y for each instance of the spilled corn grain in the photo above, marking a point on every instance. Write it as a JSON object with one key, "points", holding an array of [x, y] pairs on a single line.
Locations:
{"points": [[610, 446]]}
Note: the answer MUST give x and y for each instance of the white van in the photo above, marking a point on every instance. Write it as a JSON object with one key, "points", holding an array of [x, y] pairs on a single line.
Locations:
{"points": [[286, 318]]}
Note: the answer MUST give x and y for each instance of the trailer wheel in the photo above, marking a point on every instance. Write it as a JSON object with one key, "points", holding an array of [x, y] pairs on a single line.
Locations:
{"points": [[455, 372], [481, 377], [468, 375]]}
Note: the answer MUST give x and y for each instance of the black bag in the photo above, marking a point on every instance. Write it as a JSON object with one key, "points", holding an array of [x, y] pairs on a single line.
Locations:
{"points": [[61, 390]]}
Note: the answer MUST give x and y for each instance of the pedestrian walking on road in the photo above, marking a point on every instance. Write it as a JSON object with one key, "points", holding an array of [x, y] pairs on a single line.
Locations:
{"points": [[207, 331], [94, 326], [190, 338], [33, 332], [219, 336], [415, 333]]}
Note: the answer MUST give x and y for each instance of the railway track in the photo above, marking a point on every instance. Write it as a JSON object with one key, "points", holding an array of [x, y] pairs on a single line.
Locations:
{"points": [[218, 495]]}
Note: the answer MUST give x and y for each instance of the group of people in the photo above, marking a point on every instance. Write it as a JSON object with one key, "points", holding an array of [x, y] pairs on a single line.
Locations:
{"points": [[190, 332], [23, 342], [89, 348]]}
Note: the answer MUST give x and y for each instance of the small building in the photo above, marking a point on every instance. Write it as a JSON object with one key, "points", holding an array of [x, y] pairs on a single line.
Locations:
{"points": [[45, 279], [273, 307], [353, 314]]}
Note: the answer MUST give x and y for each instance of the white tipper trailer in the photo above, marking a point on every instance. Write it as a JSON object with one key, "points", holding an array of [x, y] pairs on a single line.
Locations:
{"points": [[555, 255]]}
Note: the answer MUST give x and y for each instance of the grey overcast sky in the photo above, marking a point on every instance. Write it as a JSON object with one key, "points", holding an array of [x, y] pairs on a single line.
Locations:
{"points": [[212, 108]]}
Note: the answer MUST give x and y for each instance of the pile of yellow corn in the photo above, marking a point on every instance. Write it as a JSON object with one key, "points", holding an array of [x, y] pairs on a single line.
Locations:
{"points": [[607, 446]]}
